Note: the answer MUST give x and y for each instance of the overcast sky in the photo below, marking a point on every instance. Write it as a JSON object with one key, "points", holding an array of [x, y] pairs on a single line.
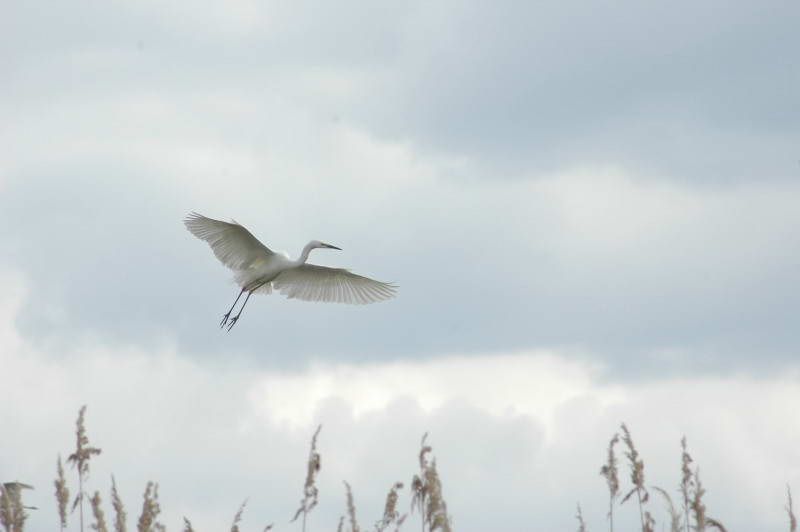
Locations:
{"points": [[590, 210]]}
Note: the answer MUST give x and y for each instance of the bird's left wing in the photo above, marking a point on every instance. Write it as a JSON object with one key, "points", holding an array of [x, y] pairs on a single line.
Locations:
{"points": [[234, 246], [310, 282]]}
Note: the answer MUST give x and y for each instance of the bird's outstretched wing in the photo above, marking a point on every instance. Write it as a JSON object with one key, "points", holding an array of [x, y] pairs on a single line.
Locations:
{"points": [[233, 245], [310, 282]]}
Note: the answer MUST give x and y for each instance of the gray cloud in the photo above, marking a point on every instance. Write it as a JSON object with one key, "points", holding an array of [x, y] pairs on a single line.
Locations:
{"points": [[658, 232], [520, 448]]}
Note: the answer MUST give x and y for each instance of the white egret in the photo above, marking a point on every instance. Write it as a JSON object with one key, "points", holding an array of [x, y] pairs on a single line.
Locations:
{"points": [[258, 269]]}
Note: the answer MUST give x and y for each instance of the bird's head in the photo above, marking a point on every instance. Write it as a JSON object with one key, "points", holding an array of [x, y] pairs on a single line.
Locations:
{"points": [[318, 244]]}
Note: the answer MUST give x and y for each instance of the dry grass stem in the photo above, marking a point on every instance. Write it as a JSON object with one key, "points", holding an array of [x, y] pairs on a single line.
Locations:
{"points": [[649, 522], [80, 458], [390, 513], [702, 520], [187, 525], [675, 524], [351, 509], [713, 523], [120, 516], [148, 520], [400, 522], [437, 507], [238, 517], [340, 528], [419, 490], [62, 494], [99, 517], [12, 512], [610, 472], [310, 491], [637, 474], [581, 522], [687, 484], [426, 492], [696, 503], [790, 510]]}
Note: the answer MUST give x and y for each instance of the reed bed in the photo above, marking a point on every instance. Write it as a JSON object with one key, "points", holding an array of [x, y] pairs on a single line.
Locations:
{"points": [[426, 496]]}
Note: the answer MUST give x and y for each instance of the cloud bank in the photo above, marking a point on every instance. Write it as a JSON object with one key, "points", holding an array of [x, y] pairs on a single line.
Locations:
{"points": [[520, 441]]}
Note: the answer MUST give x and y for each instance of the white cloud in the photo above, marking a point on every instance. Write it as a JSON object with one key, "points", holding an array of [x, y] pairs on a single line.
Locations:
{"points": [[586, 216], [524, 433]]}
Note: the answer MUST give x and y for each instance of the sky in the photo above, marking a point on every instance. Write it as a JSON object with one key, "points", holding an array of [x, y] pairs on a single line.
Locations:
{"points": [[589, 209]]}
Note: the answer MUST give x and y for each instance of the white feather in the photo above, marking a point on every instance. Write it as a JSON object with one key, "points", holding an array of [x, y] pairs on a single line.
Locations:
{"points": [[258, 269]]}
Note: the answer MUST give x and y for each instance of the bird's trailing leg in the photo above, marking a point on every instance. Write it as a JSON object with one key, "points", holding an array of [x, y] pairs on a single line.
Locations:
{"points": [[227, 314], [236, 318]]}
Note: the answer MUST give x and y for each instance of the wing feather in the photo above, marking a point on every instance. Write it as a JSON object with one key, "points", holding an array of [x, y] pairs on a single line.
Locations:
{"points": [[310, 282], [233, 245]]}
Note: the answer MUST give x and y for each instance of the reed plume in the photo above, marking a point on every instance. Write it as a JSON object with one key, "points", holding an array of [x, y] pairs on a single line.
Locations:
{"points": [[12, 512], [675, 524], [426, 490], [581, 522], [696, 504], [637, 475], [351, 509], [610, 472], [80, 459], [148, 520], [390, 513], [310, 491], [649, 522], [120, 516], [687, 484], [790, 510], [62, 494], [238, 517], [99, 517]]}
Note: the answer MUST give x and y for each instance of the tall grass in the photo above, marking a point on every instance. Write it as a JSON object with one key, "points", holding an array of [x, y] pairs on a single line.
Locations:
{"points": [[426, 495]]}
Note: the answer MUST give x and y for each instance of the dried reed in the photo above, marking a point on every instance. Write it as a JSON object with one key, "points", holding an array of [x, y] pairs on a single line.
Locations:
{"points": [[581, 522], [715, 524], [610, 472], [637, 474], [351, 509], [62, 494], [696, 503], [148, 520], [426, 490], [238, 517], [12, 512], [310, 491], [187, 525], [790, 510], [120, 516], [80, 459], [419, 489], [400, 522], [687, 484], [437, 507], [675, 523], [99, 517], [390, 513]]}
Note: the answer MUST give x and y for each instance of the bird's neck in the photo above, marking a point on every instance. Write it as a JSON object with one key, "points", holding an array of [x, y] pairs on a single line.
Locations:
{"points": [[304, 255]]}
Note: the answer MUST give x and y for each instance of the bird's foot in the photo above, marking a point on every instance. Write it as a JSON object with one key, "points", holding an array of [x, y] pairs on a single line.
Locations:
{"points": [[233, 322], [224, 320]]}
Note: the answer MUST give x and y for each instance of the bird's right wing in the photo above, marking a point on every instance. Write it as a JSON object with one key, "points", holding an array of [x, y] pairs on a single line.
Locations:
{"points": [[232, 244], [310, 282]]}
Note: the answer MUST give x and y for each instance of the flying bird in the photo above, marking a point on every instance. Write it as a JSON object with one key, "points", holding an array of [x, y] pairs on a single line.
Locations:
{"points": [[258, 269]]}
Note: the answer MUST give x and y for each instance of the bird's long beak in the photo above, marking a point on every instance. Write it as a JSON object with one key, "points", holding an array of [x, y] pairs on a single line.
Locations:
{"points": [[331, 247]]}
